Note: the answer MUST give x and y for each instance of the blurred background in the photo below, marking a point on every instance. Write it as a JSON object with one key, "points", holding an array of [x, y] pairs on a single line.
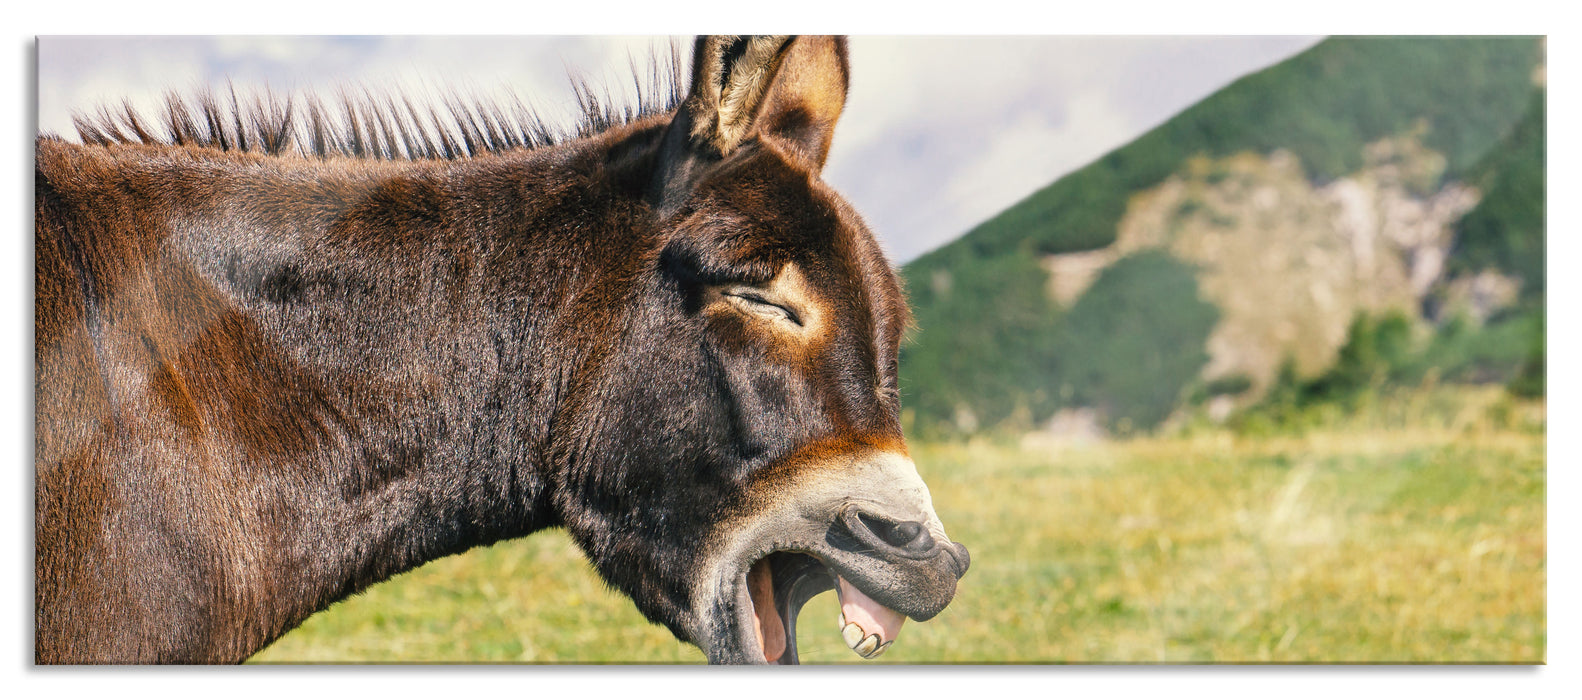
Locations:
{"points": [[1228, 349]]}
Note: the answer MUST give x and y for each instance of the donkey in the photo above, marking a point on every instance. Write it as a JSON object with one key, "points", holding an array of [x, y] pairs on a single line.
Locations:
{"points": [[281, 359]]}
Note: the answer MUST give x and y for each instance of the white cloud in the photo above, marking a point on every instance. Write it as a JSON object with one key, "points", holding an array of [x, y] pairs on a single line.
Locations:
{"points": [[942, 132], [1030, 152]]}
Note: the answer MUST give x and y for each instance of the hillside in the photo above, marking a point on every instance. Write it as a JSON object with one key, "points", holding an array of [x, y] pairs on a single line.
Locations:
{"points": [[1240, 244]]}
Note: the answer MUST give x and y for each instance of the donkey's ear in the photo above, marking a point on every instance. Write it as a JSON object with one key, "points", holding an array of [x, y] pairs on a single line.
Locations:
{"points": [[807, 96], [730, 77], [787, 89]]}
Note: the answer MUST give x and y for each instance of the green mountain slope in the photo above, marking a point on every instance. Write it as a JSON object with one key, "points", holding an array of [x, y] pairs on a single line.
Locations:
{"points": [[1327, 164], [1506, 229]]}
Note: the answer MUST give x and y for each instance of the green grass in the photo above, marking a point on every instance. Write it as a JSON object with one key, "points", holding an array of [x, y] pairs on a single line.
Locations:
{"points": [[533, 600], [1413, 533]]}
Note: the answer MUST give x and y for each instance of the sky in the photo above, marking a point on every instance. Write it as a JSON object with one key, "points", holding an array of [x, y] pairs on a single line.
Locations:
{"points": [[939, 133]]}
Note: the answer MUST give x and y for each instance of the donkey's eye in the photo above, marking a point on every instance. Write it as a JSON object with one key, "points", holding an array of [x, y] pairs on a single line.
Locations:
{"points": [[757, 304]]}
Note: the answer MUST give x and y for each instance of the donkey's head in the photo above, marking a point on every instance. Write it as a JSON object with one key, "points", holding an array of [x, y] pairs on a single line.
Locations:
{"points": [[741, 450]]}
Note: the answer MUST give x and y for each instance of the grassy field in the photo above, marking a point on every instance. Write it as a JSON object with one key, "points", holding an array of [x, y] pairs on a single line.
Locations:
{"points": [[1412, 531]]}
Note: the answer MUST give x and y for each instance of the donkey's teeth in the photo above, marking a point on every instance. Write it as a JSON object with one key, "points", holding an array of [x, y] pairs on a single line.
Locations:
{"points": [[852, 634], [868, 647], [863, 618]]}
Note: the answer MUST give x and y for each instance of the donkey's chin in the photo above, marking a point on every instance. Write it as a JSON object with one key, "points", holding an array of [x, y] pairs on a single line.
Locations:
{"points": [[772, 590]]}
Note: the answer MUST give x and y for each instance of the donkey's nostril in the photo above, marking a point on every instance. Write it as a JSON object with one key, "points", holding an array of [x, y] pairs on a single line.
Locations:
{"points": [[904, 533], [911, 537]]}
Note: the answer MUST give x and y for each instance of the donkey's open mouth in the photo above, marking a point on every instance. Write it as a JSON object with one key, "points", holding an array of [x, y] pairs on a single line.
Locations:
{"points": [[780, 584], [864, 527], [913, 581]]}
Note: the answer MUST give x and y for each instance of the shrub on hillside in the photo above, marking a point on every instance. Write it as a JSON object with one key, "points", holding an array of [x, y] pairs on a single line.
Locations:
{"points": [[1132, 343]]}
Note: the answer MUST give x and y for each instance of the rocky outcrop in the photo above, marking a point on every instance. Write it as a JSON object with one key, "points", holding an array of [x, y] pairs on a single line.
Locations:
{"points": [[1289, 263]]}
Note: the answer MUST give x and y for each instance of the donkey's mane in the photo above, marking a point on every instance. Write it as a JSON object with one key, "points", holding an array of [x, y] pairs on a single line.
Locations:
{"points": [[361, 122]]}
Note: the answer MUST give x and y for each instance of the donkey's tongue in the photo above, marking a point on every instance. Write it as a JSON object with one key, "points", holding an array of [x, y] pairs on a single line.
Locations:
{"points": [[771, 628], [867, 627]]}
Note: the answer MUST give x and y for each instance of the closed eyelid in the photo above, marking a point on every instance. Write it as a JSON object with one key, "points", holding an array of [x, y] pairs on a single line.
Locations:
{"points": [[758, 298], [786, 297]]}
